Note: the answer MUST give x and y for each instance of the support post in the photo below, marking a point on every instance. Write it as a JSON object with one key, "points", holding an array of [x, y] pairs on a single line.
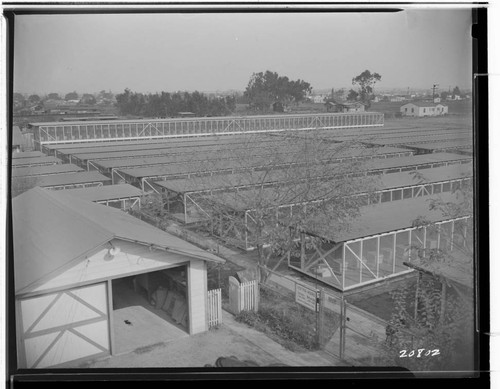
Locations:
{"points": [[443, 302], [343, 312], [416, 296], [319, 316]]}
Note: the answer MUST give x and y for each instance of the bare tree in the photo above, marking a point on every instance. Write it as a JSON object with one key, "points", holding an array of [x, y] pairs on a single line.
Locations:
{"points": [[301, 181]]}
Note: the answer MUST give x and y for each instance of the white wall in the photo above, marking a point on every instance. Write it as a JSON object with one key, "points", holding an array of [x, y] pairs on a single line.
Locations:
{"points": [[197, 294], [132, 259]]}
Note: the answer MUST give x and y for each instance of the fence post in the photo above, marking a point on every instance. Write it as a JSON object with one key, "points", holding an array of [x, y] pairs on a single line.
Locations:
{"points": [[319, 315], [342, 327], [257, 295], [234, 295]]}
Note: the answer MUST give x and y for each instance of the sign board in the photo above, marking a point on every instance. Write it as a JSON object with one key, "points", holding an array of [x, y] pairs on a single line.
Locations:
{"points": [[306, 297]]}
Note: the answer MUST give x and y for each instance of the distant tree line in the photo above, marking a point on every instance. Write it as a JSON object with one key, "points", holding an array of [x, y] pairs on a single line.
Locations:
{"points": [[170, 104], [86, 98]]}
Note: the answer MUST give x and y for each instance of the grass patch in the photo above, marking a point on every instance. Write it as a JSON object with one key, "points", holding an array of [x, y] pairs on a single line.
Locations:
{"points": [[288, 323]]}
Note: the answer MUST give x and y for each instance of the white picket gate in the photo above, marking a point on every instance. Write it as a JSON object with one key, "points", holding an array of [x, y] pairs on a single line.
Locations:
{"points": [[249, 295], [214, 308], [244, 296]]}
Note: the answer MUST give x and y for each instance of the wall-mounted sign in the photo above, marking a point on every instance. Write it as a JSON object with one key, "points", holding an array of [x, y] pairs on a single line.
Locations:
{"points": [[306, 297]]}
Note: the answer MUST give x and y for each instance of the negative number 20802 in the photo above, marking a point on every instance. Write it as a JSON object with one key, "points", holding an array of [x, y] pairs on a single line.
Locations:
{"points": [[421, 352]]}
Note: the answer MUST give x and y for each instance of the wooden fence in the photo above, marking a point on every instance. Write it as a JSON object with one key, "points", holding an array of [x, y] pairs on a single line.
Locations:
{"points": [[214, 308], [243, 296]]}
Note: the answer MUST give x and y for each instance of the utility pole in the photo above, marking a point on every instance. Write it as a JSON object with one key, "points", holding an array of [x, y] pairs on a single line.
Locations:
{"points": [[433, 91]]}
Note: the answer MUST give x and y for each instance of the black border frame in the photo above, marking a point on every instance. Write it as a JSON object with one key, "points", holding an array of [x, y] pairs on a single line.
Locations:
{"points": [[355, 376]]}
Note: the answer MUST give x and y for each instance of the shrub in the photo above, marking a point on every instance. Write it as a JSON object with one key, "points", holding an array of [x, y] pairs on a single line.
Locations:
{"points": [[250, 318]]}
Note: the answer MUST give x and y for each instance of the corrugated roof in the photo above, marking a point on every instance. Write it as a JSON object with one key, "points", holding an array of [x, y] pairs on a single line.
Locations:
{"points": [[53, 228], [45, 170], [106, 192]]}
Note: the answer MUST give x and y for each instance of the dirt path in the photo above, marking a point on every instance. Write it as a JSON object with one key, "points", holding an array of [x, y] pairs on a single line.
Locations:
{"points": [[230, 339]]}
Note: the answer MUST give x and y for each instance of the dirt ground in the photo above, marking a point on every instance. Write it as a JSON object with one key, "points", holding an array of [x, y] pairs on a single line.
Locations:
{"points": [[230, 339]]}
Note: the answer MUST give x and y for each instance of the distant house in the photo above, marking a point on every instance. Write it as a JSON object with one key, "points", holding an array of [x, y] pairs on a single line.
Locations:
{"points": [[318, 98], [344, 106], [397, 98], [423, 108]]}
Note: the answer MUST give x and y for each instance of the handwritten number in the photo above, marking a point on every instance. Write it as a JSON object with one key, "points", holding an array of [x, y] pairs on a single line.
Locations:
{"points": [[420, 352]]}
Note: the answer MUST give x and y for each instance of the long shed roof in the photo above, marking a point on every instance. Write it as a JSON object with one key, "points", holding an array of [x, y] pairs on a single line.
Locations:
{"points": [[213, 118], [27, 154], [34, 161], [113, 147], [53, 229], [81, 177], [119, 152], [455, 144], [294, 153], [421, 141], [391, 216], [45, 170], [459, 270], [376, 164], [106, 192], [387, 181]]}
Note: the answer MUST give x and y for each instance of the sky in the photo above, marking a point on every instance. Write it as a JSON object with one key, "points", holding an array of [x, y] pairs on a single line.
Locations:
{"points": [[158, 52]]}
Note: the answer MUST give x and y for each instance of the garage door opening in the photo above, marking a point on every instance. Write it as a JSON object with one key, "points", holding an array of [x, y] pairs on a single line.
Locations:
{"points": [[149, 309]]}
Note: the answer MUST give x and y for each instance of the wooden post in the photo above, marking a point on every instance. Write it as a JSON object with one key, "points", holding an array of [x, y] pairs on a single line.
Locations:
{"points": [[443, 302], [109, 290], [302, 250], [342, 327], [416, 296], [319, 315], [234, 295]]}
